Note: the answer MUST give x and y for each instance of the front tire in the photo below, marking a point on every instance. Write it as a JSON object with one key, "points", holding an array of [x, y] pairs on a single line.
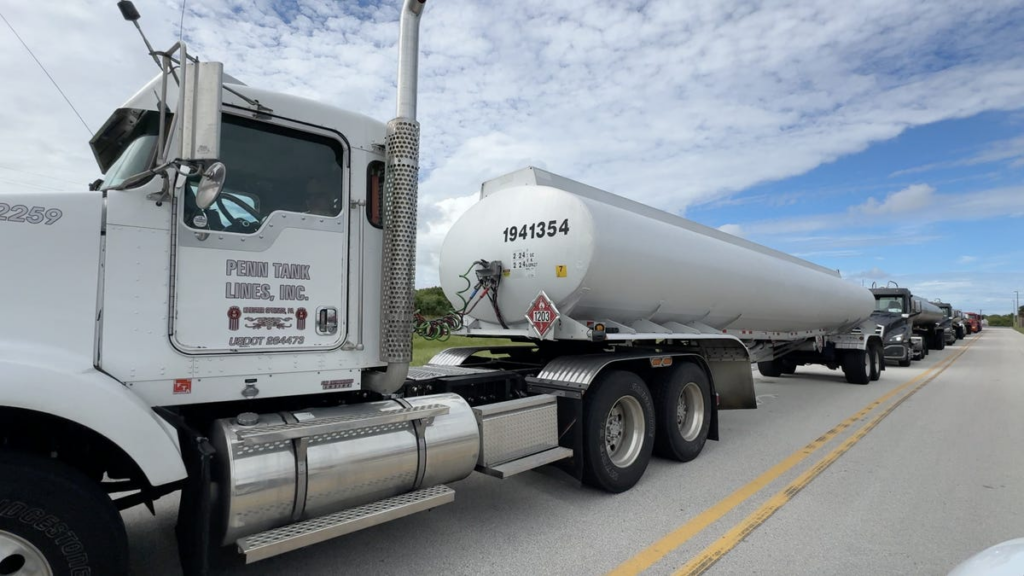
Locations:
{"points": [[682, 407], [618, 431], [55, 520], [905, 362]]}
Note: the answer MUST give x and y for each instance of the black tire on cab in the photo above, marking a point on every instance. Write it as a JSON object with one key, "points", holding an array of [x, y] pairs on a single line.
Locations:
{"points": [[857, 366], [618, 431], [909, 354], [53, 516], [770, 368], [682, 408], [877, 363]]}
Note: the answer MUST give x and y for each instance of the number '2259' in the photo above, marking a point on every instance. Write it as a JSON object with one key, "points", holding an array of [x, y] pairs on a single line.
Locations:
{"points": [[538, 230], [33, 215]]}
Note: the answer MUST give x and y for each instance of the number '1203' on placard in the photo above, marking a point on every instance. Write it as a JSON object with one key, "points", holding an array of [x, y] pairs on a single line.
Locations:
{"points": [[537, 230]]}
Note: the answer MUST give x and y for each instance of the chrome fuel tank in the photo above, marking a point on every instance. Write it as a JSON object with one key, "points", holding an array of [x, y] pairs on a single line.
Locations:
{"points": [[265, 484]]}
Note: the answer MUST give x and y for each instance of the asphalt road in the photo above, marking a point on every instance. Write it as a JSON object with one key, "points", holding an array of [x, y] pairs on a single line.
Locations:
{"points": [[821, 479]]}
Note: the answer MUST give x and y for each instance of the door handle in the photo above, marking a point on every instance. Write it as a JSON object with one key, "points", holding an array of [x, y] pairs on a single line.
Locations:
{"points": [[326, 320]]}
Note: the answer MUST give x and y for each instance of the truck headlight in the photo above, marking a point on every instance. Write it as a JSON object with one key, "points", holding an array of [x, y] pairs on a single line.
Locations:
{"points": [[897, 338]]}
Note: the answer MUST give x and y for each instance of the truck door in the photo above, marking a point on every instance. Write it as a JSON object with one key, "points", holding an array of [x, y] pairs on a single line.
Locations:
{"points": [[264, 268]]}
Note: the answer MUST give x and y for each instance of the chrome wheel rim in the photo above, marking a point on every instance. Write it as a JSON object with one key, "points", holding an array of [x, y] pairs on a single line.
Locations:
{"points": [[690, 412], [624, 431], [867, 362], [19, 557]]}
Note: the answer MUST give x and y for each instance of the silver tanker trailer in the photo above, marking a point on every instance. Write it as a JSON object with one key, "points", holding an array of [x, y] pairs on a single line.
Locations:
{"points": [[611, 271]]}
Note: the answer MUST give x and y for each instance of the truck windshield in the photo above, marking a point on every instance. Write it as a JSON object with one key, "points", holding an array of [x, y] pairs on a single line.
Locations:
{"points": [[138, 153], [889, 304]]}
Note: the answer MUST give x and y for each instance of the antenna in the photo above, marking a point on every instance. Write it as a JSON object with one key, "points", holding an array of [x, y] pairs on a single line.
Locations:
{"points": [[45, 71], [131, 14]]}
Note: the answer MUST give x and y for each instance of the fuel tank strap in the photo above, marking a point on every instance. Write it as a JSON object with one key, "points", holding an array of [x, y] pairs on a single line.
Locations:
{"points": [[301, 470], [419, 428]]}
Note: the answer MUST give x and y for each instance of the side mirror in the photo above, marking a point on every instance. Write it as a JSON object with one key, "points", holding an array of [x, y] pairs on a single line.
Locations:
{"points": [[904, 315], [210, 185], [202, 86]]}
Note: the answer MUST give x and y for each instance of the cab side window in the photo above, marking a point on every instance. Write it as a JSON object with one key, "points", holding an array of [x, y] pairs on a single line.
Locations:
{"points": [[270, 168]]}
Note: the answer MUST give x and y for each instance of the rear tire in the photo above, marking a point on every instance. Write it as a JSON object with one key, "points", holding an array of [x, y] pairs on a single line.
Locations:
{"points": [[682, 407], [788, 368], [771, 369], [53, 517], [857, 366], [618, 431]]}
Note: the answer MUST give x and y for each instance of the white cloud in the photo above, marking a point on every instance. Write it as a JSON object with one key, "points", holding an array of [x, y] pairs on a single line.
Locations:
{"points": [[668, 103], [921, 202], [875, 273], [734, 229], [1011, 150], [966, 259], [910, 199]]}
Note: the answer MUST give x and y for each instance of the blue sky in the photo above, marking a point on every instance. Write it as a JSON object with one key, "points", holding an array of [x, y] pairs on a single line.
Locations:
{"points": [[879, 137], [972, 258]]}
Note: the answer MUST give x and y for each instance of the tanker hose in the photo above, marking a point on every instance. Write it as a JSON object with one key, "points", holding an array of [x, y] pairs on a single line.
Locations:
{"points": [[441, 328]]}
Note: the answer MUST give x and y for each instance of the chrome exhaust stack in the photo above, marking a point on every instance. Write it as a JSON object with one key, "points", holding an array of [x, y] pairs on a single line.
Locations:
{"points": [[401, 187]]}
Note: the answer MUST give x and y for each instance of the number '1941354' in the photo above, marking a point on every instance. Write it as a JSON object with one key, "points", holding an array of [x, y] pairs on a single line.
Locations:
{"points": [[538, 229]]}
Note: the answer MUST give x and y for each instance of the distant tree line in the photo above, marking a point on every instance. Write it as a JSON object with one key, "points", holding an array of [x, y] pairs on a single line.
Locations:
{"points": [[999, 319], [432, 302], [1002, 319]]}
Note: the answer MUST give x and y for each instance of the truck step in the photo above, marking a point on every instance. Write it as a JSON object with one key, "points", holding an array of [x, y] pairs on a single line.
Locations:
{"points": [[279, 432], [528, 463], [315, 530]]}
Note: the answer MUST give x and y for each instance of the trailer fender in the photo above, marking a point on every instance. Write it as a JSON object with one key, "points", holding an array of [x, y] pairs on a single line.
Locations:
{"points": [[52, 383]]}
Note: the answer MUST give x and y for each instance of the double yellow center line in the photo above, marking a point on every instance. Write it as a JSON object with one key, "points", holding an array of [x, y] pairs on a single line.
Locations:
{"points": [[673, 540]]}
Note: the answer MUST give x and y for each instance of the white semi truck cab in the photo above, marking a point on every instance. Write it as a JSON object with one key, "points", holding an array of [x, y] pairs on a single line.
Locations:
{"points": [[228, 313]]}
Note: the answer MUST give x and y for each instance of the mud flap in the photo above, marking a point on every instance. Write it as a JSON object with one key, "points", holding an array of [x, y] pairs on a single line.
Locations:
{"points": [[194, 510]]}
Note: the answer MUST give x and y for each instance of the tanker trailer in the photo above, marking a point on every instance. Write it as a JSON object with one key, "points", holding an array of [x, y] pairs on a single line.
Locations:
{"points": [[928, 319], [565, 262]]}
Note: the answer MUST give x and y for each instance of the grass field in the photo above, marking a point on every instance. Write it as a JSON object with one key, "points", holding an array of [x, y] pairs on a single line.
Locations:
{"points": [[424, 350], [1021, 330]]}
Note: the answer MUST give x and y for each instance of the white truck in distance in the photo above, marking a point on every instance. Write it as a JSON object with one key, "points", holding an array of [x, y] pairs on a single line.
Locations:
{"points": [[228, 314]]}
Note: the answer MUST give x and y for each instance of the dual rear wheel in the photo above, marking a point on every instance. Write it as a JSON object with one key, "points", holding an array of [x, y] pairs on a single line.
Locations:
{"points": [[624, 423]]}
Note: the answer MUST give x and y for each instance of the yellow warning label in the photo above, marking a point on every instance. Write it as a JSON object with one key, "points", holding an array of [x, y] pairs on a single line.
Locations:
{"points": [[506, 272], [561, 270]]}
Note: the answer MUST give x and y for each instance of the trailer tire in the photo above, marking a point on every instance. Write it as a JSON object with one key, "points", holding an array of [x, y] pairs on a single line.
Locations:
{"points": [[770, 368], [857, 366], [788, 367], [682, 407], [53, 516], [877, 362], [618, 431]]}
